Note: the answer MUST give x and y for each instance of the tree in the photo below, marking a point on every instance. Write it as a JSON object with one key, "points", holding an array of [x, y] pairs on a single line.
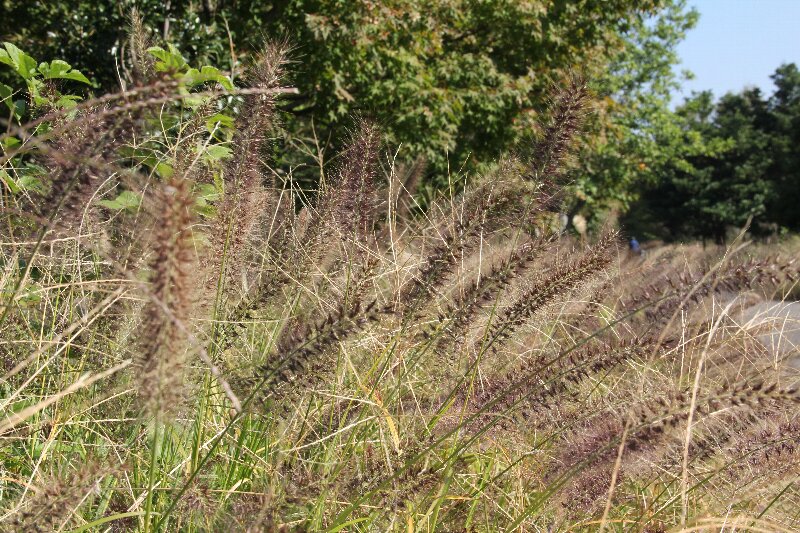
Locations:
{"points": [[93, 35], [458, 81], [785, 109], [734, 159], [635, 132]]}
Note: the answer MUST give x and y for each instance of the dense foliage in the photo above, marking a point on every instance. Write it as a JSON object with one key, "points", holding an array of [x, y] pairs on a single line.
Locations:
{"points": [[632, 116], [732, 160], [456, 82]]}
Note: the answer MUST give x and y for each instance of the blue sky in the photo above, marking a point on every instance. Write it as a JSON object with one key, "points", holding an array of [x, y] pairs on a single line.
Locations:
{"points": [[739, 43]]}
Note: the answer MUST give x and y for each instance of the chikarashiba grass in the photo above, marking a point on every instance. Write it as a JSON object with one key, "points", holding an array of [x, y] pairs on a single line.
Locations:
{"points": [[229, 352]]}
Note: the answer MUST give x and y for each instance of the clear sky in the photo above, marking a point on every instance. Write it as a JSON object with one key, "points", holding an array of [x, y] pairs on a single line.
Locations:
{"points": [[739, 43]]}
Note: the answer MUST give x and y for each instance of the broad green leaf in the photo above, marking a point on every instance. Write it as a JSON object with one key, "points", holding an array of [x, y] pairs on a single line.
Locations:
{"points": [[219, 121], [58, 69], [67, 101], [168, 60], [21, 62], [34, 89], [165, 170], [23, 182], [9, 182], [193, 102], [195, 77], [209, 192], [5, 96], [20, 106], [5, 91], [30, 182], [125, 200], [10, 142], [217, 152]]}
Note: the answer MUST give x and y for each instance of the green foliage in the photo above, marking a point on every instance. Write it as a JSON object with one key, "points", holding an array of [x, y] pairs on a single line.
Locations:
{"points": [[124, 200], [732, 160], [784, 108], [22, 176], [634, 118], [58, 69], [22, 63], [92, 33], [456, 81], [36, 79]]}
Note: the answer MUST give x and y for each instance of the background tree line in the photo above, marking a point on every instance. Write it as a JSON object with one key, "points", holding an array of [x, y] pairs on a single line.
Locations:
{"points": [[731, 159], [455, 83]]}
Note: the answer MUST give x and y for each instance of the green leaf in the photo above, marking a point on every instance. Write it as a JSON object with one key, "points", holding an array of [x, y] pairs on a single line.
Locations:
{"points": [[168, 60], [23, 182], [9, 182], [10, 142], [22, 63], [218, 122], [125, 200], [34, 89], [164, 170], [216, 153], [17, 107], [193, 102], [195, 77], [6, 93], [207, 192], [67, 101], [29, 182], [20, 106], [58, 69]]}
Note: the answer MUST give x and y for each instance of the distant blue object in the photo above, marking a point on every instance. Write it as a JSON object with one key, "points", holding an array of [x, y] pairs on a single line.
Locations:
{"points": [[635, 247]]}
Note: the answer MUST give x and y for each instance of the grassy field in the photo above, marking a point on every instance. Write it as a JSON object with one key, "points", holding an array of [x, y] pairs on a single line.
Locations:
{"points": [[191, 343]]}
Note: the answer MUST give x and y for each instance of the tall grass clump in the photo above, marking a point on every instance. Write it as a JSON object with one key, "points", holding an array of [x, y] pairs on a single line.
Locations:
{"points": [[193, 342]]}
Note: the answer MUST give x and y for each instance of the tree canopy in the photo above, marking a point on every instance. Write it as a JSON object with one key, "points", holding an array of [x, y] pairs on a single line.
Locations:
{"points": [[733, 159], [460, 82], [455, 81]]}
